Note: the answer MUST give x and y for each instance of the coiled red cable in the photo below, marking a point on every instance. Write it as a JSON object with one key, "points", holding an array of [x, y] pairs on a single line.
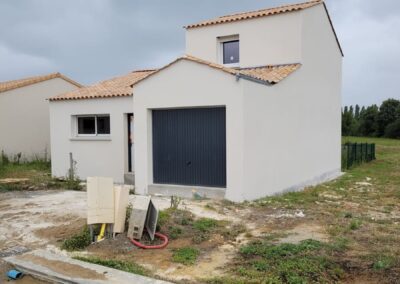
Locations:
{"points": [[160, 246]]}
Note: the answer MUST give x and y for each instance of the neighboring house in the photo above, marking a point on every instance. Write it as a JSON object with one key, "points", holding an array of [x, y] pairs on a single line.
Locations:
{"points": [[24, 115], [94, 123], [254, 109]]}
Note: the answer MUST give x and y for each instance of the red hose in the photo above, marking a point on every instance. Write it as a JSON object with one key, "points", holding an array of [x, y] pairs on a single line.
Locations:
{"points": [[160, 246]]}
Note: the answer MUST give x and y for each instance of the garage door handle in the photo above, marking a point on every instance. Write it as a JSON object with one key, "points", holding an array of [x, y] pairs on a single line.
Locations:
{"points": [[189, 163]]}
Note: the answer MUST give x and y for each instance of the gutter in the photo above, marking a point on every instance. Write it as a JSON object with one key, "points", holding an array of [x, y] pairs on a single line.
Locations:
{"points": [[252, 79]]}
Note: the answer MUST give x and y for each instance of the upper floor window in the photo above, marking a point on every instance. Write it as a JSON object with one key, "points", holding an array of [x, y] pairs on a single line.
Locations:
{"points": [[93, 125], [230, 50]]}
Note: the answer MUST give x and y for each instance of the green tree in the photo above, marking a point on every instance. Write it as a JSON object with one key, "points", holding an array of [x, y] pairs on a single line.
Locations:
{"points": [[368, 121], [357, 112], [388, 113], [393, 130], [347, 120]]}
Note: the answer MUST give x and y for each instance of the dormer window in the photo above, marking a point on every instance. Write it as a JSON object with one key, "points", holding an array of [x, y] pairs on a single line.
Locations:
{"points": [[229, 50]]}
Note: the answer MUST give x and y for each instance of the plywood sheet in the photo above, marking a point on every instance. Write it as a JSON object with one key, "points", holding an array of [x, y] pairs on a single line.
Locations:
{"points": [[121, 199], [100, 199]]}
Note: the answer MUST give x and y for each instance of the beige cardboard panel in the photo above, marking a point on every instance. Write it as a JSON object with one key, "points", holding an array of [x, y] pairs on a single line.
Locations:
{"points": [[121, 198], [100, 193]]}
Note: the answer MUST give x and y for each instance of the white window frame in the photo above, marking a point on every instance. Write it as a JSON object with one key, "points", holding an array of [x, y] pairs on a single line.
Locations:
{"points": [[77, 134], [220, 47]]}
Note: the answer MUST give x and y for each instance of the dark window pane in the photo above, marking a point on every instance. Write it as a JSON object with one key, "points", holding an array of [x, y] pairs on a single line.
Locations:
{"points": [[231, 52], [86, 125], [103, 125]]}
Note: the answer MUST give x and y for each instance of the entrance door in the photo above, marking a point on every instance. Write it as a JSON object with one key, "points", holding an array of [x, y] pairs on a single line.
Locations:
{"points": [[131, 152], [189, 147]]}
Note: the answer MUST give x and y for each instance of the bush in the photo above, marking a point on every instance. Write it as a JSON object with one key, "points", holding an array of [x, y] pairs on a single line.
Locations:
{"points": [[78, 241]]}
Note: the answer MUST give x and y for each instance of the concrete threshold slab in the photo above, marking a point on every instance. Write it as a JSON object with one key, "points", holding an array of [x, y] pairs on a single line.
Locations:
{"points": [[188, 192], [57, 268]]}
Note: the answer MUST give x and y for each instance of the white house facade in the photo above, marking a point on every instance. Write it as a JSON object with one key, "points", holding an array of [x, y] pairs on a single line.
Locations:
{"points": [[94, 125], [281, 135], [24, 115], [253, 109]]}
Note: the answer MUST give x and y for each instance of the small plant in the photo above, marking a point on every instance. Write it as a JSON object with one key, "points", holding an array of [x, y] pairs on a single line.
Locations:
{"points": [[78, 241], [126, 266], [355, 224], [175, 201], [128, 216], [72, 181], [205, 224], [174, 232], [383, 263], [348, 215], [186, 255]]}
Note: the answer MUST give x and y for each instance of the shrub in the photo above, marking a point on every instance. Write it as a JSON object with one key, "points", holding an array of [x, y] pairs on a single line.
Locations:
{"points": [[78, 241]]}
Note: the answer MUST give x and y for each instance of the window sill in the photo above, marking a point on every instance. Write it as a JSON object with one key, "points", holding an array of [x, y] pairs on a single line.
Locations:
{"points": [[232, 65], [90, 138]]}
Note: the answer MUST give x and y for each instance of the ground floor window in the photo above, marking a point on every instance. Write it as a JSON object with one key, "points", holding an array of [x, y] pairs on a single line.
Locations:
{"points": [[93, 124]]}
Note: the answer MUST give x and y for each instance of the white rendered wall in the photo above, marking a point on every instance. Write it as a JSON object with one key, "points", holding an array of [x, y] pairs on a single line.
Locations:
{"points": [[188, 84], [105, 157], [263, 41], [24, 118], [292, 129]]}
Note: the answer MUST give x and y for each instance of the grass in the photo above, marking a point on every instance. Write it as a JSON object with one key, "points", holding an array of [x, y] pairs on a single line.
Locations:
{"points": [[77, 242], [360, 213], [306, 262], [205, 224], [35, 175], [185, 255], [126, 266]]}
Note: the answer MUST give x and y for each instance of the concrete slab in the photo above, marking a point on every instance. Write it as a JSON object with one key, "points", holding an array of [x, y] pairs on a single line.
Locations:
{"points": [[59, 268], [188, 192]]}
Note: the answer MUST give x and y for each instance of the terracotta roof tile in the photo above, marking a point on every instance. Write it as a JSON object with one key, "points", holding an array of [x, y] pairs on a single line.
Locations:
{"points": [[10, 85], [115, 87], [270, 74], [256, 14]]}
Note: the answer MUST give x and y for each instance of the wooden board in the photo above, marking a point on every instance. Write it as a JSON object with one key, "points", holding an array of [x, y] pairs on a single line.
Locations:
{"points": [[121, 200], [100, 199]]}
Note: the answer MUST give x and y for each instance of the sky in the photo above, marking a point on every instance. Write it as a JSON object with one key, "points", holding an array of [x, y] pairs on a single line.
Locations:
{"points": [[93, 40]]}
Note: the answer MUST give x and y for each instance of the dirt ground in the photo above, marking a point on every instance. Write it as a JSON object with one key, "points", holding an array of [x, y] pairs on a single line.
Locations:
{"points": [[42, 219], [38, 219]]}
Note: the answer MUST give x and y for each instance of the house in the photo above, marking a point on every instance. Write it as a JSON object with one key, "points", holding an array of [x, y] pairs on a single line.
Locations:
{"points": [[24, 115], [253, 109], [94, 123]]}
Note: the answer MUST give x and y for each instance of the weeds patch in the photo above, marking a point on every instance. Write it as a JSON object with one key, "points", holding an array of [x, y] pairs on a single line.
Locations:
{"points": [[186, 255], [306, 262], [126, 266], [77, 242]]}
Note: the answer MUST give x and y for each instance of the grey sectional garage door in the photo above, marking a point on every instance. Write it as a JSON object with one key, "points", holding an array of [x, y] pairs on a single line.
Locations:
{"points": [[189, 147]]}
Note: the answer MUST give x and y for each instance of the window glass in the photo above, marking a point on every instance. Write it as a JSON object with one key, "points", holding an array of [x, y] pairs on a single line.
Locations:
{"points": [[86, 125], [231, 52], [103, 125]]}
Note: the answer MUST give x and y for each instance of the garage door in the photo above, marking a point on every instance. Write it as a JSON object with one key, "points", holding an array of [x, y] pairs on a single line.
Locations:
{"points": [[189, 147]]}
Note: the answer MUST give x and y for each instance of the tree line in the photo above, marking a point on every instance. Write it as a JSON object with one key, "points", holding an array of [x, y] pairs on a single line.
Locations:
{"points": [[372, 121]]}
